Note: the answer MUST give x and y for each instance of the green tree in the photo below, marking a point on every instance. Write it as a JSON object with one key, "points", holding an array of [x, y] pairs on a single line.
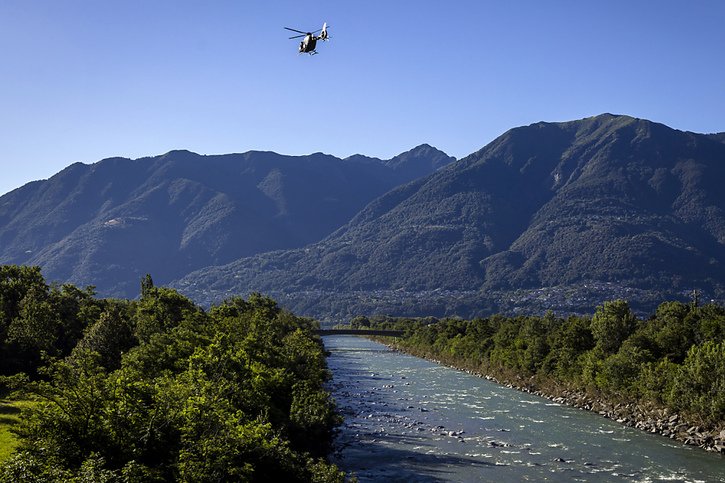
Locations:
{"points": [[620, 371], [36, 319], [676, 332], [110, 337], [76, 309], [568, 341], [23, 295], [531, 343], [699, 387], [710, 321], [147, 286], [15, 282], [612, 323], [656, 380], [160, 311], [36, 327], [66, 423]]}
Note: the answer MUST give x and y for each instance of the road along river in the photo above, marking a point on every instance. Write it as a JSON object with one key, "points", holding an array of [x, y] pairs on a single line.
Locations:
{"points": [[408, 419]]}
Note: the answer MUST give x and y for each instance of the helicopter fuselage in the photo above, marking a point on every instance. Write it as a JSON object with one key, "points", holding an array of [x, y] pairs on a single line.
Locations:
{"points": [[307, 46]]}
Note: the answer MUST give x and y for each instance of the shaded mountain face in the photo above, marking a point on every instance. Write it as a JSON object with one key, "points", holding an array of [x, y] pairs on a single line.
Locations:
{"points": [[610, 202], [109, 223], [718, 136]]}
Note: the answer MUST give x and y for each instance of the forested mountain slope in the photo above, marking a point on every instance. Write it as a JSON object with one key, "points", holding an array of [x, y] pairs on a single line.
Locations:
{"points": [[109, 223], [624, 205]]}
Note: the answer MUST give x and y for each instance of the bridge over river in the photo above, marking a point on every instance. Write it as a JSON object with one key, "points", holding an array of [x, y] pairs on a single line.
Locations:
{"points": [[390, 333]]}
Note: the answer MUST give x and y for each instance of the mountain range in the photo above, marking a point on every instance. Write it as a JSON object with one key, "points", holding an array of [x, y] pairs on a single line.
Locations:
{"points": [[109, 223], [555, 216], [558, 216]]}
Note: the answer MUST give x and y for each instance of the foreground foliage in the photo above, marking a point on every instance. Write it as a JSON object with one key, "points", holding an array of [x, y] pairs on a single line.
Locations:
{"points": [[674, 359], [160, 390]]}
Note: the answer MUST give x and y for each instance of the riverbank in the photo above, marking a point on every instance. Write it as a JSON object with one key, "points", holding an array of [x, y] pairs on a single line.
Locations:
{"points": [[651, 419], [409, 419]]}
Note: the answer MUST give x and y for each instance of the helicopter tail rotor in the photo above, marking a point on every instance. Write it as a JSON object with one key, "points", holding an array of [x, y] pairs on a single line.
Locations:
{"points": [[323, 32]]}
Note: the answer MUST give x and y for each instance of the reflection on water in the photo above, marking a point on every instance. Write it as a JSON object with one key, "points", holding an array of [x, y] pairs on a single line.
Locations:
{"points": [[407, 419]]}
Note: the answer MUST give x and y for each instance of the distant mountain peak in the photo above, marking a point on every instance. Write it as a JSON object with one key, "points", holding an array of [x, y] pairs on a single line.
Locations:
{"points": [[425, 147], [421, 149], [421, 158], [180, 154]]}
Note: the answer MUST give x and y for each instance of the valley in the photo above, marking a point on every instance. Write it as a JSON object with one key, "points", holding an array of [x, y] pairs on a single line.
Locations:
{"points": [[550, 216]]}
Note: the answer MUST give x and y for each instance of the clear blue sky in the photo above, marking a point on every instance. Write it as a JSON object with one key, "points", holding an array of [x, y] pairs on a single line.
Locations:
{"points": [[83, 80]]}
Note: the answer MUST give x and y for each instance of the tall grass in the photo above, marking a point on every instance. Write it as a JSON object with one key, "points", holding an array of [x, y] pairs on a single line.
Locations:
{"points": [[10, 411]]}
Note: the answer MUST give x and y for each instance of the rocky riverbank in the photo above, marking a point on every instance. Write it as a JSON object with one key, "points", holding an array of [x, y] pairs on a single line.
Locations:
{"points": [[651, 419]]}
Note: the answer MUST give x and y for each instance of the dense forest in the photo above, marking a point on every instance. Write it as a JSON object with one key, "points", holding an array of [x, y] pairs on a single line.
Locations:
{"points": [[157, 389], [674, 360]]}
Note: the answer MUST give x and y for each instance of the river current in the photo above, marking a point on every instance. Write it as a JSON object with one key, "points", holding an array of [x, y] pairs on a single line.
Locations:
{"points": [[408, 419]]}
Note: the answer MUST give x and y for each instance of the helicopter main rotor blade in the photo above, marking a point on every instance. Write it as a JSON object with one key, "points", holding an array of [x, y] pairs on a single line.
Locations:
{"points": [[298, 31], [298, 36]]}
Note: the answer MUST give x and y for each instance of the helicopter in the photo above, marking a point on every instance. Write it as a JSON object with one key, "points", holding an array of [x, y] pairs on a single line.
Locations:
{"points": [[307, 46]]}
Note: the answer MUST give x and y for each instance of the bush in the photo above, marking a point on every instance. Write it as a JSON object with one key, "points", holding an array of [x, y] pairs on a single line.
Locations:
{"points": [[699, 387]]}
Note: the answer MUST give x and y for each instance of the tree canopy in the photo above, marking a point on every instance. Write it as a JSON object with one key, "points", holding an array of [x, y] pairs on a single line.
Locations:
{"points": [[158, 389]]}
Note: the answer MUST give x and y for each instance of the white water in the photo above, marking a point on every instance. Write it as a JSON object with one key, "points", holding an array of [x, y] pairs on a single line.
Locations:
{"points": [[407, 419]]}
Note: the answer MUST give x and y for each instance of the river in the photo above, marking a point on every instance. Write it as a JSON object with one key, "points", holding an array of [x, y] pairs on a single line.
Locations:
{"points": [[408, 419]]}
